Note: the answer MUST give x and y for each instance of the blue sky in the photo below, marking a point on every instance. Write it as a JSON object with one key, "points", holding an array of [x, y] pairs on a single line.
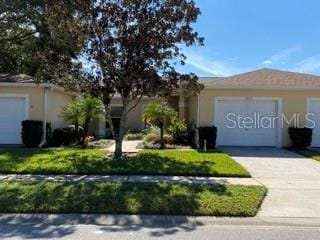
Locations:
{"points": [[244, 35]]}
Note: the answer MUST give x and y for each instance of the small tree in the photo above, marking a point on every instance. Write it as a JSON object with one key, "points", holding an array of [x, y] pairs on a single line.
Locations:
{"points": [[157, 114], [72, 113], [82, 111], [90, 108], [134, 47]]}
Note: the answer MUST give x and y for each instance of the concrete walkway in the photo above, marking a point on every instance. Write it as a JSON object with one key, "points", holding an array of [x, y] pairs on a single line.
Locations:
{"points": [[128, 178], [293, 181], [127, 146]]}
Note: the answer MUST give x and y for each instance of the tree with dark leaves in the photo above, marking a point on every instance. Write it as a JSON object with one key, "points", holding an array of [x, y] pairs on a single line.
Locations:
{"points": [[43, 38], [135, 45]]}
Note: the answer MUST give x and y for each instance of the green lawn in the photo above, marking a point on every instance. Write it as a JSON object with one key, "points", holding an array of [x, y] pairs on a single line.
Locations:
{"points": [[153, 162], [309, 153], [130, 198]]}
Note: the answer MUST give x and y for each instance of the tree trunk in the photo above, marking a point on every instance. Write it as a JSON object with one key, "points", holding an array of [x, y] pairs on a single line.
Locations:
{"points": [[161, 136], [118, 136], [85, 130], [76, 129], [118, 149]]}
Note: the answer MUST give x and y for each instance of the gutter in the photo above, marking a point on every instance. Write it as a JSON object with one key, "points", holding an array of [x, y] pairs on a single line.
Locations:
{"points": [[44, 126], [198, 120]]}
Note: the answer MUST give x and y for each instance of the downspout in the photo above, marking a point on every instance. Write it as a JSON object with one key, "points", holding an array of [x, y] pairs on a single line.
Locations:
{"points": [[44, 126], [198, 120]]}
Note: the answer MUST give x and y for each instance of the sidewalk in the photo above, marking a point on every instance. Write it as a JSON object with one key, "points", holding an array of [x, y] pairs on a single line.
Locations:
{"points": [[128, 178]]}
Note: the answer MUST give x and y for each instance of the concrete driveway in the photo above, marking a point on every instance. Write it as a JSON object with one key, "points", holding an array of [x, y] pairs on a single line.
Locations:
{"points": [[293, 181]]}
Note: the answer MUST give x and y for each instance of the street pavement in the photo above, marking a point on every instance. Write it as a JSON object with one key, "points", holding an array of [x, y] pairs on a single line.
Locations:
{"points": [[78, 227]]}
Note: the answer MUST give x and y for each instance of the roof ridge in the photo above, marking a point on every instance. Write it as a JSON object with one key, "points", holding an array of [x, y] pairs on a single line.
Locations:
{"points": [[291, 72]]}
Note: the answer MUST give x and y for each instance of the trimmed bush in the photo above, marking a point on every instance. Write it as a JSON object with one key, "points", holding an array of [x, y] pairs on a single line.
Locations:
{"points": [[301, 137], [134, 136], [151, 137], [64, 136], [32, 132], [179, 130], [209, 134]]}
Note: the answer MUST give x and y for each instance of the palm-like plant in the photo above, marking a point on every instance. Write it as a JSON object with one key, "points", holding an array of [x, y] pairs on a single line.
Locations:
{"points": [[72, 113], [82, 111], [91, 108], [157, 114]]}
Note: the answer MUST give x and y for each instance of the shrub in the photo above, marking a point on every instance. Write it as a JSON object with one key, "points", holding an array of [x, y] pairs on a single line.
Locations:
{"points": [[152, 129], [32, 132], [167, 138], [209, 134], [301, 137], [151, 137], [191, 134], [88, 139], [64, 136], [155, 139], [179, 130], [134, 136]]}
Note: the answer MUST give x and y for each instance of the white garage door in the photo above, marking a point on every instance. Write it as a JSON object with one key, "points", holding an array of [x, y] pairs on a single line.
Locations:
{"points": [[246, 122], [313, 106], [12, 113]]}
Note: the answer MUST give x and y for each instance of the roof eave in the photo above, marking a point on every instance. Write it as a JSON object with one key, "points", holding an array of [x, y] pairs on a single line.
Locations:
{"points": [[291, 88], [49, 85]]}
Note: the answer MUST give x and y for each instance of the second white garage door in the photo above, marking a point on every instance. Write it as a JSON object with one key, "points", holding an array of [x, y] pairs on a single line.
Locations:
{"points": [[247, 121], [313, 108], [12, 113]]}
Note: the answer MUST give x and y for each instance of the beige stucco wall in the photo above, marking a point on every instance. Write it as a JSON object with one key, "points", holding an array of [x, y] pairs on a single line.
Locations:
{"points": [[55, 101], [292, 102], [192, 112], [135, 117], [35, 95]]}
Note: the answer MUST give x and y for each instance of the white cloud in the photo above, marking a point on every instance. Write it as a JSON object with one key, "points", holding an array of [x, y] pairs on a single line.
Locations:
{"points": [[267, 62], [308, 65], [213, 66], [283, 56]]}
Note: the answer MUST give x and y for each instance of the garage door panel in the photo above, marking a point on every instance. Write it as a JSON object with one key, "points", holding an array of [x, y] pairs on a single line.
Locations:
{"points": [[245, 135], [13, 112], [229, 109], [314, 109]]}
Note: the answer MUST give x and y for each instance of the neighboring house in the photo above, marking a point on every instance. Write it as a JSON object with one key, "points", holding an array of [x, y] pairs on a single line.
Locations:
{"points": [[266, 94], [254, 96], [21, 98]]}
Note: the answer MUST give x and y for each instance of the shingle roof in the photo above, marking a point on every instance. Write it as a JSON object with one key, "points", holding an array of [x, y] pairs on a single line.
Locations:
{"points": [[11, 78], [265, 78]]}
